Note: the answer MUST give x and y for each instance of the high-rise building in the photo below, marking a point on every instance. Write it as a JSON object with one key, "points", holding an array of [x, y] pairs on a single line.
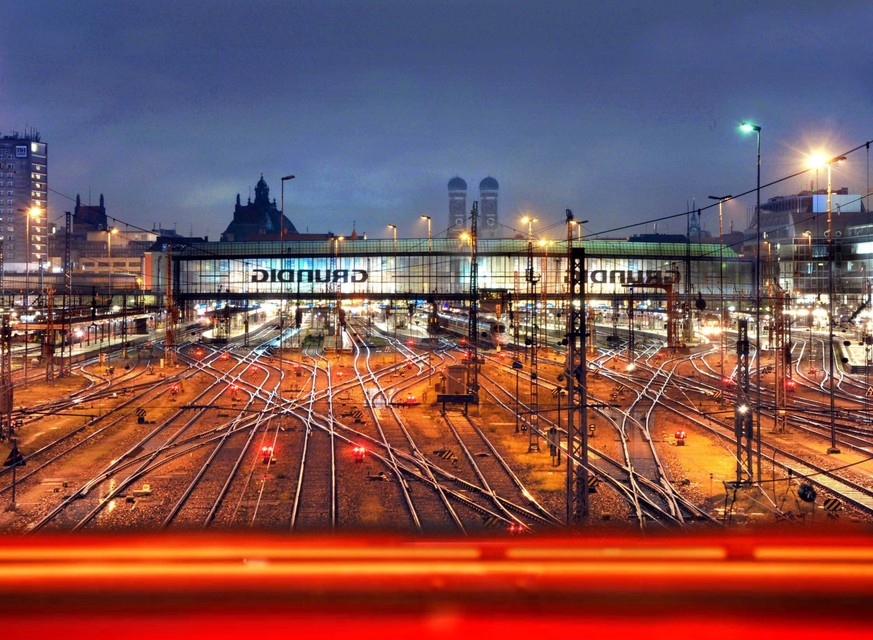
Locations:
{"points": [[457, 206], [488, 206], [23, 189]]}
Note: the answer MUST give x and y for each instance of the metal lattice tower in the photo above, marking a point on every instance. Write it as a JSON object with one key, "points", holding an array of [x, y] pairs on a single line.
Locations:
{"points": [[742, 411], [5, 379], [779, 361], [473, 318], [515, 318], [534, 406], [67, 300], [577, 386]]}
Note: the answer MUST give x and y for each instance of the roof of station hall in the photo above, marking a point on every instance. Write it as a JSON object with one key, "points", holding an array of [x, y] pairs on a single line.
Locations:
{"points": [[450, 246]]}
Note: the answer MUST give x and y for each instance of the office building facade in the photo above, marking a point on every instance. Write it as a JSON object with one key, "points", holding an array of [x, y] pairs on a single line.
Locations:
{"points": [[23, 188]]}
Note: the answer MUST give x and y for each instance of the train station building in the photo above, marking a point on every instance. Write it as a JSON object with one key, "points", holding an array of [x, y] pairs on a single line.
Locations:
{"points": [[386, 273]]}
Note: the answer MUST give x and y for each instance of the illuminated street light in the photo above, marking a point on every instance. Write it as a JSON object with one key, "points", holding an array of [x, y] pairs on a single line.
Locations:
{"points": [[33, 212], [393, 227], [578, 224], [111, 231], [748, 127], [282, 305], [818, 161], [722, 323], [429, 248], [529, 222], [339, 313]]}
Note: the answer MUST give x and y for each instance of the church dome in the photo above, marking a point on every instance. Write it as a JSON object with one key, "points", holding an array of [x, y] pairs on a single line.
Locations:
{"points": [[488, 184], [457, 184]]}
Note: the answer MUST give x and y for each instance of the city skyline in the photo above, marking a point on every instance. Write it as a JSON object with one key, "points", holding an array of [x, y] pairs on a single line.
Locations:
{"points": [[624, 116]]}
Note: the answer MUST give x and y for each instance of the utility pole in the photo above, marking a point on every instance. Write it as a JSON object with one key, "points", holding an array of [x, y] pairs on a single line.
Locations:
{"points": [[576, 375], [742, 410], [171, 313], [533, 332], [780, 364], [6, 385], [67, 300]]}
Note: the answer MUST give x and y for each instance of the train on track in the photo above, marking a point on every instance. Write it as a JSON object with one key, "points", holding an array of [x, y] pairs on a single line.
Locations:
{"points": [[491, 330]]}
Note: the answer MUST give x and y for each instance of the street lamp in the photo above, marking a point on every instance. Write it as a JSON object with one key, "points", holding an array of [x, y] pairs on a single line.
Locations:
{"points": [[393, 228], [578, 224], [339, 313], [429, 247], [545, 244], [109, 233], [429, 236], [721, 324], [808, 235], [283, 303], [33, 212], [748, 127], [529, 222], [819, 161]]}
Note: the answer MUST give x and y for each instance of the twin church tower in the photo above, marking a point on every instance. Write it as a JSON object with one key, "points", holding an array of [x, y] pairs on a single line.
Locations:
{"points": [[459, 214]]}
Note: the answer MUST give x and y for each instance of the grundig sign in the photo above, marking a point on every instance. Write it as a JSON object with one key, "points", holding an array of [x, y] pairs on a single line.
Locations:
{"points": [[309, 275], [631, 277]]}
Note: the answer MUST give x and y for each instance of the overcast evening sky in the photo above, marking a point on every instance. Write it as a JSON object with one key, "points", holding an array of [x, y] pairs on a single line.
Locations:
{"points": [[622, 111]]}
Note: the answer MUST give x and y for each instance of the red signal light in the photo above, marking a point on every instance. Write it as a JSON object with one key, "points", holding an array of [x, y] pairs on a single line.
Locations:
{"points": [[358, 453], [790, 383]]}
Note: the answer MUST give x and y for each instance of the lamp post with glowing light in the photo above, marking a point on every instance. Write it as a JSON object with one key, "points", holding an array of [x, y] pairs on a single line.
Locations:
{"points": [[33, 212], [819, 161], [808, 235], [429, 249], [109, 233], [339, 312], [756, 129], [283, 304], [393, 228], [722, 323], [545, 244], [578, 224]]}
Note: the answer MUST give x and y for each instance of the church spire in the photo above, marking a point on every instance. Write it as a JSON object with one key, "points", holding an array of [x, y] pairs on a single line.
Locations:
{"points": [[262, 191]]}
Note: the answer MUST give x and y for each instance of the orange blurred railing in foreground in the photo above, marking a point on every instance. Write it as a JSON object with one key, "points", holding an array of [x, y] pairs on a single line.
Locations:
{"points": [[384, 587]]}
